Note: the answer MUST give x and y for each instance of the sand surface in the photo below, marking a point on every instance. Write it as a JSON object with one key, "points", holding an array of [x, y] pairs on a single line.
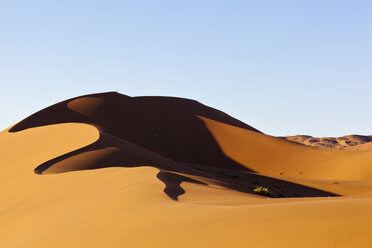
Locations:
{"points": [[108, 170]]}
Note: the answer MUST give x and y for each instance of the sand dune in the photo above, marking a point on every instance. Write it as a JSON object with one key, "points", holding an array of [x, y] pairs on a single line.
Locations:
{"points": [[344, 142], [113, 170]]}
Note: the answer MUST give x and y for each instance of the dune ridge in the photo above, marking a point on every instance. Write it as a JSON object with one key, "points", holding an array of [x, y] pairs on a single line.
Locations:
{"points": [[109, 169]]}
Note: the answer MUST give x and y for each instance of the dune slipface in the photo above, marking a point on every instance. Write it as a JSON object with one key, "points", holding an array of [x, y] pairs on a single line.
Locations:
{"points": [[113, 170]]}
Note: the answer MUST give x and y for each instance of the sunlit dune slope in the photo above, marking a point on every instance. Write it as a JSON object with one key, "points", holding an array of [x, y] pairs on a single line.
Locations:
{"points": [[192, 181], [275, 156]]}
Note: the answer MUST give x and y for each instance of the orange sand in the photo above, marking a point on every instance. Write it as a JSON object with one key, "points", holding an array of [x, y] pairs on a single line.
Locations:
{"points": [[352, 142], [65, 181]]}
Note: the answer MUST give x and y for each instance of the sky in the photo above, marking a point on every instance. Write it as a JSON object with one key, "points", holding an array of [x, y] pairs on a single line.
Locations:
{"points": [[283, 67]]}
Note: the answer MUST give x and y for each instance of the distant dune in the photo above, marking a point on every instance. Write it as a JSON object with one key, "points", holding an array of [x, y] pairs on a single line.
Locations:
{"points": [[109, 170], [353, 142]]}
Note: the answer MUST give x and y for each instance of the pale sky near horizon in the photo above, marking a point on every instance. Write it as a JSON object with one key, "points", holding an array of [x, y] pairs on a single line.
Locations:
{"points": [[283, 67]]}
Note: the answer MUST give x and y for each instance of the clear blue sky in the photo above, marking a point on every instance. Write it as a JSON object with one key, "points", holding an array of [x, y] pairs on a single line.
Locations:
{"points": [[284, 67]]}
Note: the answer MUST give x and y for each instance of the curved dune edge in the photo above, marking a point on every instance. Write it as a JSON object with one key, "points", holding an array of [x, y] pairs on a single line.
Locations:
{"points": [[88, 197], [22, 150]]}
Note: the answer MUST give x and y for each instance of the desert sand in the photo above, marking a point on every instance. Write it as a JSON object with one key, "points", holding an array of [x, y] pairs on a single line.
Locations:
{"points": [[109, 170], [347, 142]]}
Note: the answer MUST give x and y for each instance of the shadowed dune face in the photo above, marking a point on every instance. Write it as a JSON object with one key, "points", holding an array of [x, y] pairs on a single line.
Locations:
{"points": [[165, 125]]}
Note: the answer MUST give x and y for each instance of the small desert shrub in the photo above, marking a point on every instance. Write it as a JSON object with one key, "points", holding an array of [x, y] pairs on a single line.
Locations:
{"points": [[264, 191]]}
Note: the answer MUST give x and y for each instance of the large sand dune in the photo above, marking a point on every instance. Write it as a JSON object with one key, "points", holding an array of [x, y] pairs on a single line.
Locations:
{"points": [[108, 170]]}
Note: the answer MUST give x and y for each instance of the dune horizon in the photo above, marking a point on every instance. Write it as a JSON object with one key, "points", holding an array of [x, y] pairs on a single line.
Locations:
{"points": [[107, 169]]}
